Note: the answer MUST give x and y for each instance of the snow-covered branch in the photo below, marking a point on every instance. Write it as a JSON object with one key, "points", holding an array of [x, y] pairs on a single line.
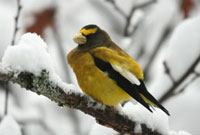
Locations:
{"points": [[191, 37], [107, 116], [29, 65], [176, 84]]}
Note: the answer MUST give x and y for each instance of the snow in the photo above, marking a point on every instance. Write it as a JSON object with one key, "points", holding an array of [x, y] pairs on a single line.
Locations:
{"points": [[8, 122], [157, 120], [183, 49], [31, 55], [179, 133], [152, 28], [154, 19], [97, 129], [28, 55], [184, 46], [2, 70], [187, 102]]}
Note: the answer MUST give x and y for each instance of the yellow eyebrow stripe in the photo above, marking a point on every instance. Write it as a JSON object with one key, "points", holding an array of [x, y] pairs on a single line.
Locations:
{"points": [[88, 31]]}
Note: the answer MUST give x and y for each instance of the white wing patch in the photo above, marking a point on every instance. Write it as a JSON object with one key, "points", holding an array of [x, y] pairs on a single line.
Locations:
{"points": [[125, 73]]}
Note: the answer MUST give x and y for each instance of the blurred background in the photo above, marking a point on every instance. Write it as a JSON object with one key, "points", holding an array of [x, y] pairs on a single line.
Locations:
{"points": [[141, 27]]}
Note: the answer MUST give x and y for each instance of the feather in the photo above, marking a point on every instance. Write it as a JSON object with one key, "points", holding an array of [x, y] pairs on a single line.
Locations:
{"points": [[150, 99], [125, 73], [120, 80]]}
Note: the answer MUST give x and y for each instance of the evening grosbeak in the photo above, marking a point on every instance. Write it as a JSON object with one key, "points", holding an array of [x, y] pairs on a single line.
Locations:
{"points": [[106, 72]]}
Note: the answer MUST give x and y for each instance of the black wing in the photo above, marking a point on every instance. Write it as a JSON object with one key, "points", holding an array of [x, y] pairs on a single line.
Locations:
{"points": [[122, 82]]}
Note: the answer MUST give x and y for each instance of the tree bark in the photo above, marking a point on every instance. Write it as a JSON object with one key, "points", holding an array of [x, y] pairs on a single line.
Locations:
{"points": [[108, 116]]}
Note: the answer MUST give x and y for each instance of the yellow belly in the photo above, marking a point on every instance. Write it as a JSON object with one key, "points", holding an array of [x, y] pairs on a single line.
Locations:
{"points": [[96, 83]]}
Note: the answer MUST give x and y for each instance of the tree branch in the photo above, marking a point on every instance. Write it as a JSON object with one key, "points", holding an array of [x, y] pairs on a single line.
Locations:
{"points": [[186, 85], [130, 15], [19, 7], [109, 116], [168, 72], [178, 82], [119, 10], [6, 84]]}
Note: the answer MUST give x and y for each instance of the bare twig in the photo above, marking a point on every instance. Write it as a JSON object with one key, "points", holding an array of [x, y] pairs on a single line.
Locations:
{"points": [[19, 7], [130, 15], [6, 85], [108, 116], [177, 83], [168, 72], [186, 85], [119, 10]]}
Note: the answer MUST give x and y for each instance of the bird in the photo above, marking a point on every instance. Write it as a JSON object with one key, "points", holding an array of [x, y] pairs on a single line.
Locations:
{"points": [[106, 72]]}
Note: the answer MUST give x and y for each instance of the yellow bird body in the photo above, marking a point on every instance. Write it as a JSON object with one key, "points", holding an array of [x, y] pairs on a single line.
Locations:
{"points": [[106, 72], [96, 83]]}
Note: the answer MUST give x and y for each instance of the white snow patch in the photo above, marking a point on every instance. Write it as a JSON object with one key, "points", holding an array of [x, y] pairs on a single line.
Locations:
{"points": [[67, 88], [184, 46], [9, 126], [97, 129], [31, 55], [157, 120], [179, 133]]}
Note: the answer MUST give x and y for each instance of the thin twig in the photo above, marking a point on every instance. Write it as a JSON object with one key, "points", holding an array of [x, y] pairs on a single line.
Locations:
{"points": [[19, 7], [6, 85], [171, 90], [168, 72], [130, 15], [120, 11], [186, 85]]}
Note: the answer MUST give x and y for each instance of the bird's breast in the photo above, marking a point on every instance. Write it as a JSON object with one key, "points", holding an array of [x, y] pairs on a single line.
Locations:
{"points": [[93, 81]]}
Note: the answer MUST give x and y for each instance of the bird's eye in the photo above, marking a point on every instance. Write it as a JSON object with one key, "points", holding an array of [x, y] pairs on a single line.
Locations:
{"points": [[88, 31]]}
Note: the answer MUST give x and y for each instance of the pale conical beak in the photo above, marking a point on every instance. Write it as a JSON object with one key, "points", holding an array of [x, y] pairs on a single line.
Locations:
{"points": [[80, 39]]}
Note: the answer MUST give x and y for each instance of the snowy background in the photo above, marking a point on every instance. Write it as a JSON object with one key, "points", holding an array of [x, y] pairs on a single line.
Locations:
{"points": [[167, 30]]}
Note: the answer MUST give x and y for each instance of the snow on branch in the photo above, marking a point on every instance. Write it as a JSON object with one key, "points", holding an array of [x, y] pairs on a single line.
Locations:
{"points": [[183, 57], [29, 64], [108, 116], [171, 91]]}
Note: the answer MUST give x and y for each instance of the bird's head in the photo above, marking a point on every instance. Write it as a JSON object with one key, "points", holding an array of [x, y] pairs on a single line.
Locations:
{"points": [[91, 36]]}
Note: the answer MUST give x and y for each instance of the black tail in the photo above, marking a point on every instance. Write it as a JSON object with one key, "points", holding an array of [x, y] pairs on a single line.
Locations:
{"points": [[143, 90]]}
